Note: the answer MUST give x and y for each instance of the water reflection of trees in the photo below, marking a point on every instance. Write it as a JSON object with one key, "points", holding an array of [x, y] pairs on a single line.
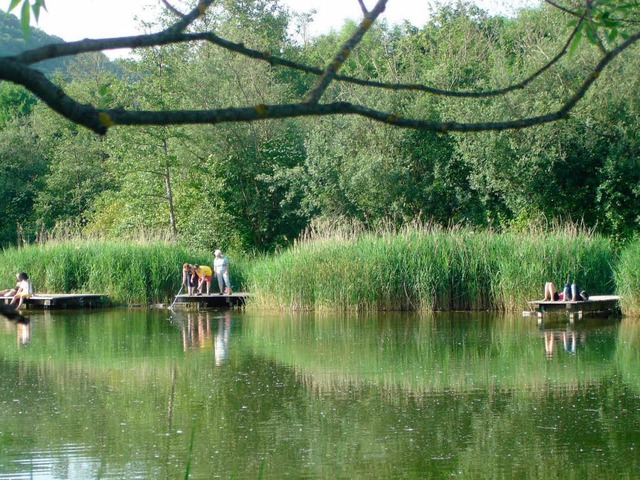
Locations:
{"points": [[430, 354], [353, 399], [628, 351]]}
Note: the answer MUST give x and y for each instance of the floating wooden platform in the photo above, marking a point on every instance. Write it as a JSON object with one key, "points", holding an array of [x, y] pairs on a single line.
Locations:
{"points": [[62, 301], [607, 304], [210, 301]]}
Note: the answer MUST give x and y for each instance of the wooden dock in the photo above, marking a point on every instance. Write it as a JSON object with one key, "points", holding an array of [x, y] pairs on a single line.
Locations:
{"points": [[600, 304], [62, 301], [196, 302]]}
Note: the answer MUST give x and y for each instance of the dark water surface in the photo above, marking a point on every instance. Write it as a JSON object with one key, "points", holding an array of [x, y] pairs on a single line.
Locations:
{"points": [[142, 394]]}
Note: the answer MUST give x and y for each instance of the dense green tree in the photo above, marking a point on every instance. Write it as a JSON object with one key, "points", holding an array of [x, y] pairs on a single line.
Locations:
{"points": [[77, 170], [144, 161], [245, 171], [22, 168], [14, 102], [227, 186]]}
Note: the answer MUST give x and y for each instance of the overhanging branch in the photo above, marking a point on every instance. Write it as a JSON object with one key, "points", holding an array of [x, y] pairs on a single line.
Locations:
{"points": [[18, 69]]}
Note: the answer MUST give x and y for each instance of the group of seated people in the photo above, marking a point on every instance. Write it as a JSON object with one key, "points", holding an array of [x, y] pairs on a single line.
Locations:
{"points": [[22, 290], [570, 293]]}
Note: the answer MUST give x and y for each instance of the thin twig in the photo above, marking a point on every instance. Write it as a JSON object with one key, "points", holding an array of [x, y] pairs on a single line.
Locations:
{"points": [[331, 70], [173, 9], [190, 17], [563, 9]]}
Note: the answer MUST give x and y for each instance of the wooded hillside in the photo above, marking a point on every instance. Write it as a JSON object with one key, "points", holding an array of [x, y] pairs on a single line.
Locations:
{"points": [[12, 41]]}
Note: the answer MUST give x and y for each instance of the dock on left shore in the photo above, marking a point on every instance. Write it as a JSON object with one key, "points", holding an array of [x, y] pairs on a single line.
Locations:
{"points": [[62, 301]]}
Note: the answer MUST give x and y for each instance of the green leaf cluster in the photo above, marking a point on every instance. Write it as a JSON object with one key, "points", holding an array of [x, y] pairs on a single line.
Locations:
{"points": [[26, 10]]}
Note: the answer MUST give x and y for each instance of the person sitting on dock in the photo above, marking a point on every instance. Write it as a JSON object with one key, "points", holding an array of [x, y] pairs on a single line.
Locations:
{"points": [[570, 293], [550, 293], [204, 276], [24, 290]]}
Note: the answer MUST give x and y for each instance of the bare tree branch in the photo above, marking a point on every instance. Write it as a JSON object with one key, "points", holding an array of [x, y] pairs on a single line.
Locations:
{"points": [[190, 17], [167, 38], [173, 9], [595, 73], [270, 112]]}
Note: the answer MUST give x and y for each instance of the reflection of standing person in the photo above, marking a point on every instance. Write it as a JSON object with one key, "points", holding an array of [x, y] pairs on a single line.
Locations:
{"points": [[549, 343], [221, 269], [221, 345]]}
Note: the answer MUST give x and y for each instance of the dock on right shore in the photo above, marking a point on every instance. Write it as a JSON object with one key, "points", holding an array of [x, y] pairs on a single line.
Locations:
{"points": [[597, 304]]}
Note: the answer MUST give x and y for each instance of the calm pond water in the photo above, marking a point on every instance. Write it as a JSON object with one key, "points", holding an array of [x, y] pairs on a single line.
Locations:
{"points": [[145, 394]]}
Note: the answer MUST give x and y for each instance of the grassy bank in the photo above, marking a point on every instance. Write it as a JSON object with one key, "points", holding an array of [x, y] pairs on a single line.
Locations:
{"points": [[415, 269], [129, 272], [429, 269]]}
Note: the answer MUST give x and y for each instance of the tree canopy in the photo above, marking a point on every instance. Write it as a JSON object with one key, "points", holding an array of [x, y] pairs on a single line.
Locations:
{"points": [[610, 25], [204, 165]]}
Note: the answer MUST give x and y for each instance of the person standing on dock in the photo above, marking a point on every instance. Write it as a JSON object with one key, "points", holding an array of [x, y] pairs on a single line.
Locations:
{"points": [[221, 269], [189, 278], [204, 276]]}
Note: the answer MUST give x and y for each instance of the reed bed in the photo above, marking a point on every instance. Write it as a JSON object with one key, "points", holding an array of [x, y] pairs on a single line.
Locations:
{"points": [[627, 277], [421, 268], [128, 272], [429, 269]]}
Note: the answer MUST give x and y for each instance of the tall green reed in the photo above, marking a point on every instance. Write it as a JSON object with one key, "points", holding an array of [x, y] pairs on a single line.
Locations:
{"points": [[428, 268]]}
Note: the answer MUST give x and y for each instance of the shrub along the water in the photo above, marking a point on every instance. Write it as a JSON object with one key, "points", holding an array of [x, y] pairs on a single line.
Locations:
{"points": [[429, 269], [128, 272]]}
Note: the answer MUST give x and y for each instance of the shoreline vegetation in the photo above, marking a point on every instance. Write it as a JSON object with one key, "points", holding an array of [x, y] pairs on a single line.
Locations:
{"points": [[418, 268]]}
